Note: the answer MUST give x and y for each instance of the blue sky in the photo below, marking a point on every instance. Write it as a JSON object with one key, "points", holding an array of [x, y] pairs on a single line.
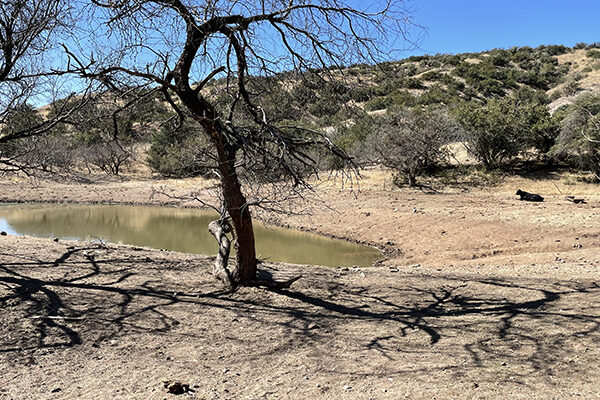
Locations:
{"points": [[459, 26]]}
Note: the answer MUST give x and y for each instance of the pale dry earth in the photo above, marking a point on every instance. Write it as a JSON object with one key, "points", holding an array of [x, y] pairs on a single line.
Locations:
{"points": [[480, 296]]}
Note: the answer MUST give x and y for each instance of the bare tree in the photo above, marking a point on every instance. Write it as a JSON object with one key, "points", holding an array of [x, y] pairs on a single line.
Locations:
{"points": [[188, 49], [410, 142], [30, 76]]}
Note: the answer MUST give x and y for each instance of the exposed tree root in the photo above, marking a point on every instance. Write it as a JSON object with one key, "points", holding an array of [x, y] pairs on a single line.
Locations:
{"points": [[219, 229], [272, 284]]}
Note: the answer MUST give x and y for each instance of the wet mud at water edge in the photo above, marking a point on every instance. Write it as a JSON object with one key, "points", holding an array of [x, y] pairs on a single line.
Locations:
{"points": [[183, 230]]}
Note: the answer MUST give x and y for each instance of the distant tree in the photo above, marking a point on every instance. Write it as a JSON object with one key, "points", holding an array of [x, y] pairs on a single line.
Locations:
{"points": [[540, 128], [180, 151], [28, 30], [579, 139], [501, 129], [492, 132], [412, 141]]}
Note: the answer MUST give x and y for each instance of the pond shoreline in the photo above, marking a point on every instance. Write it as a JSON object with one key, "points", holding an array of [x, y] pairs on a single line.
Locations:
{"points": [[385, 250], [258, 228]]}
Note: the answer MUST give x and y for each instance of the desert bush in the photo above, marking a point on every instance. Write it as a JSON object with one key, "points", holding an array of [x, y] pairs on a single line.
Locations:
{"points": [[402, 98], [48, 152], [579, 140], [350, 136], [411, 141], [378, 103], [361, 94], [491, 131], [18, 119], [436, 95], [500, 130], [179, 151], [571, 87], [593, 53], [412, 83], [539, 128], [432, 76]]}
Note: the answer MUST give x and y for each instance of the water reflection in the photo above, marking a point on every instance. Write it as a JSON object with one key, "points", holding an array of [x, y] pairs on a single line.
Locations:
{"points": [[183, 230]]}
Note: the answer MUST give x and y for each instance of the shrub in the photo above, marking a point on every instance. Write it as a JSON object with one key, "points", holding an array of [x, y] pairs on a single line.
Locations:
{"points": [[572, 87], [412, 83], [179, 152], [491, 131], [411, 141], [579, 139], [593, 53], [378, 103]]}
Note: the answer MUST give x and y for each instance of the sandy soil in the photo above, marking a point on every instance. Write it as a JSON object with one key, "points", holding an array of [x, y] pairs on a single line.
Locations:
{"points": [[479, 296]]}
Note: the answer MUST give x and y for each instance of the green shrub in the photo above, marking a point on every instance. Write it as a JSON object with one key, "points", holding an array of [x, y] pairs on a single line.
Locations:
{"points": [[378, 103], [579, 139], [179, 152], [593, 53]]}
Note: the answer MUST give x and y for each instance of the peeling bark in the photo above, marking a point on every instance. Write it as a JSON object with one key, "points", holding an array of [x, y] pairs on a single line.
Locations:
{"points": [[219, 229]]}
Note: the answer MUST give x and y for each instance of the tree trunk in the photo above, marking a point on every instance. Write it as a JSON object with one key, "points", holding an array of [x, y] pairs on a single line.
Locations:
{"points": [[235, 203], [411, 178], [241, 220]]}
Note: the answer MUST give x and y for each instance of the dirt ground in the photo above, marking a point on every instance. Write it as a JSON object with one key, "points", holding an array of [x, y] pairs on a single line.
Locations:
{"points": [[478, 296]]}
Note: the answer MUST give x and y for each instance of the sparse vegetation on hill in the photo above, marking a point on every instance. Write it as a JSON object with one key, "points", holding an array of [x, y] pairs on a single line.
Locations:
{"points": [[502, 100]]}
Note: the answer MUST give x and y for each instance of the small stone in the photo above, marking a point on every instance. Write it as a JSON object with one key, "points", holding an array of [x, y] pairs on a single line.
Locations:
{"points": [[55, 390], [3, 233], [55, 240], [347, 387], [313, 325]]}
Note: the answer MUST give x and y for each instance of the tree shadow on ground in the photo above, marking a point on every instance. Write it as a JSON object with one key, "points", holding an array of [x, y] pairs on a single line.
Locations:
{"points": [[89, 297], [47, 320]]}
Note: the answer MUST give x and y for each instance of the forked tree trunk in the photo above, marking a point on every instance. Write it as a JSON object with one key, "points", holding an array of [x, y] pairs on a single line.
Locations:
{"points": [[244, 269], [235, 203]]}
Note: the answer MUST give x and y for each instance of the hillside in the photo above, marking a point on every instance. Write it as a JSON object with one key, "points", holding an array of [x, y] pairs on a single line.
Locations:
{"points": [[347, 103], [558, 71]]}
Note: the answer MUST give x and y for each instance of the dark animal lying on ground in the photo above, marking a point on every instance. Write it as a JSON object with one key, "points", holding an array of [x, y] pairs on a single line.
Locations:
{"points": [[575, 200], [529, 196]]}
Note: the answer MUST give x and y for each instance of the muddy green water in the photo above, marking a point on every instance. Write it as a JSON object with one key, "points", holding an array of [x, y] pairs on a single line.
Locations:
{"points": [[183, 230]]}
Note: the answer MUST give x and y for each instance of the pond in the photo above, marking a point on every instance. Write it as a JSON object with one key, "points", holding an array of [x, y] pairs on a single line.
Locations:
{"points": [[183, 230]]}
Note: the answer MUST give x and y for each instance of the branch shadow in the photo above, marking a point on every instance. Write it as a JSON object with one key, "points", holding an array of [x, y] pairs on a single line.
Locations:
{"points": [[87, 295]]}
